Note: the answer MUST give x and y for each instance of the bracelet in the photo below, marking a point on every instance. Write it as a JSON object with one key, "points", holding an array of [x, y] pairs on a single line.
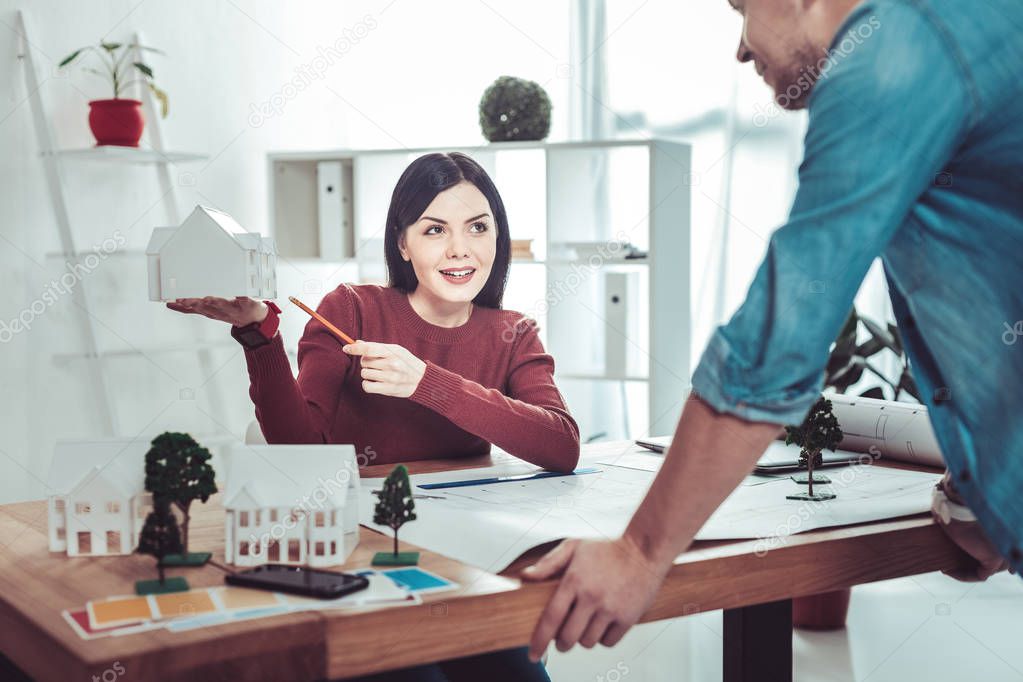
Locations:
{"points": [[947, 510]]}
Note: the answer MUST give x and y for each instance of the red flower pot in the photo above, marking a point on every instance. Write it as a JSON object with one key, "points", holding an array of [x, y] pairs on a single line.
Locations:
{"points": [[116, 121], [825, 611]]}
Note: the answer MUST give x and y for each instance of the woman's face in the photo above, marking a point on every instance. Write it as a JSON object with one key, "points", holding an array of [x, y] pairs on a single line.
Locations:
{"points": [[453, 244]]}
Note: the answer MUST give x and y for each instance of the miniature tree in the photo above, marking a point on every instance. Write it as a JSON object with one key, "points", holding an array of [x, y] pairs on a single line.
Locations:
{"points": [[395, 508], [159, 538], [818, 431], [178, 469]]}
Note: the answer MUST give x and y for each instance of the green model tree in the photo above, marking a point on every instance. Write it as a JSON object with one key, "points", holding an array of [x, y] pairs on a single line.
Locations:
{"points": [[395, 508], [178, 469], [159, 538], [818, 431]]}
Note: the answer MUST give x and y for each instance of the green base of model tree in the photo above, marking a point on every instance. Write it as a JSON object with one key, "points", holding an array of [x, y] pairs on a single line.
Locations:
{"points": [[176, 584], [815, 497], [804, 479], [189, 559], [399, 559]]}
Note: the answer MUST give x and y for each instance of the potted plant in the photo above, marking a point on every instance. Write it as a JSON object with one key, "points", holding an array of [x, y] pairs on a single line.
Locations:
{"points": [[119, 121], [395, 508], [515, 109], [178, 470]]}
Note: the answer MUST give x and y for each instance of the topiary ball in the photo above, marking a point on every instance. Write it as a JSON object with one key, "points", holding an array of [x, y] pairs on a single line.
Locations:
{"points": [[515, 109]]}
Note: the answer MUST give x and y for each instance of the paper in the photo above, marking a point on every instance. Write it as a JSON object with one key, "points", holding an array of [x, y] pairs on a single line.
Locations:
{"points": [[489, 526]]}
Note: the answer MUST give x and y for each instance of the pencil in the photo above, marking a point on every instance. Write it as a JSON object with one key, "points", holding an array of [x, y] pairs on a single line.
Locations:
{"points": [[334, 330]]}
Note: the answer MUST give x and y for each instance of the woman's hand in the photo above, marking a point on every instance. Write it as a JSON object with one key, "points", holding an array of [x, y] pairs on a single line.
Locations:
{"points": [[239, 311], [387, 368]]}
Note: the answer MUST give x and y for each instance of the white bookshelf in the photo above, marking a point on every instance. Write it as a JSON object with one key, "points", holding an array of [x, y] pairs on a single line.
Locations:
{"points": [[625, 382]]}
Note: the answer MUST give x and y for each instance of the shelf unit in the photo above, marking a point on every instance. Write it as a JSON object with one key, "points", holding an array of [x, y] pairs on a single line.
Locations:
{"points": [[618, 328], [54, 161]]}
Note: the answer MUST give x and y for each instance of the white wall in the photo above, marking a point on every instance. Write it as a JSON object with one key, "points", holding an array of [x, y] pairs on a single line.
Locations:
{"points": [[407, 77]]}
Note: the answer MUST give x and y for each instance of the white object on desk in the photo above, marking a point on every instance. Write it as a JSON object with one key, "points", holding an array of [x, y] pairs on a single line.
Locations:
{"points": [[490, 526], [291, 504]]}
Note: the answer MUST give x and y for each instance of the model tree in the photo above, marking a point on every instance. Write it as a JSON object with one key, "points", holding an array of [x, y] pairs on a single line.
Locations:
{"points": [[178, 469], [819, 431], [159, 538], [395, 509]]}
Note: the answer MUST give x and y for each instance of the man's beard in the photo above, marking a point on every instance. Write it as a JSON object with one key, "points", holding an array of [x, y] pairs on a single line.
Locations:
{"points": [[795, 84]]}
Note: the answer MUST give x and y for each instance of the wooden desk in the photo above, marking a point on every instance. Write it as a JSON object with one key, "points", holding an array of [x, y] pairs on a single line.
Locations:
{"points": [[489, 612]]}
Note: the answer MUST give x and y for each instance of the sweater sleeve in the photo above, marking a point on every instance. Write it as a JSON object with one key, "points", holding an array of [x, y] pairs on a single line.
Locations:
{"points": [[301, 410], [530, 422]]}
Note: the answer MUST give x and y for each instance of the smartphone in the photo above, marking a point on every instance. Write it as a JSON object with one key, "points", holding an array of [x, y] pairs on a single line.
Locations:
{"points": [[835, 459], [308, 582]]}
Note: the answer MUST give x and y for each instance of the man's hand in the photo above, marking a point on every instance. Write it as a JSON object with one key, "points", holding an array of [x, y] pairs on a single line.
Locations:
{"points": [[966, 533], [387, 368], [606, 586]]}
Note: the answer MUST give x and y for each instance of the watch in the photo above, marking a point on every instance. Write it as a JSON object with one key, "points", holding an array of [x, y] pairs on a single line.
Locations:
{"points": [[258, 334]]}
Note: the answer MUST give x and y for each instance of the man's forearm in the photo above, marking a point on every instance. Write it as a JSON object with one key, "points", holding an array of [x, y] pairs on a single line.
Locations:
{"points": [[709, 456]]}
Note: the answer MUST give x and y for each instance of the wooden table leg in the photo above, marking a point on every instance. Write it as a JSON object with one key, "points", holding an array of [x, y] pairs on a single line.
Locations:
{"points": [[758, 642]]}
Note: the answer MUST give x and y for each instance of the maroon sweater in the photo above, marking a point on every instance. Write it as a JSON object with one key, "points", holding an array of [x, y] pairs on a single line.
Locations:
{"points": [[487, 381]]}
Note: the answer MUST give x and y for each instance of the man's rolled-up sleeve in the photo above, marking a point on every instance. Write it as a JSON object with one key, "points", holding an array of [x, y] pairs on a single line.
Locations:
{"points": [[883, 124]]}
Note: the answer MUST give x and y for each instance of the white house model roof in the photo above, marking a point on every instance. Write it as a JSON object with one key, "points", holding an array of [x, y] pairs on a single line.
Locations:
{"points": [[120, 461], [244, 238], [290, 475]]}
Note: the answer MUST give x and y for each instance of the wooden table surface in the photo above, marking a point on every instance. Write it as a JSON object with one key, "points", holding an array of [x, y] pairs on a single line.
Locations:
{"points": [[489, 612]]}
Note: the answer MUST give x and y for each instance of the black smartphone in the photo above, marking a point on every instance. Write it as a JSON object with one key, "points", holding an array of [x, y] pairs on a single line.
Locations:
{"points": [[831, 459], [308, 582]]}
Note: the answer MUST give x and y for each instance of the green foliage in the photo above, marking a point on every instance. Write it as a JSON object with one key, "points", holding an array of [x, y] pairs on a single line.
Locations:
{"points": [[178, 470], [119, 70], [515, 109], [850, 359], [396, 506], [160, 535], [819, 431]]}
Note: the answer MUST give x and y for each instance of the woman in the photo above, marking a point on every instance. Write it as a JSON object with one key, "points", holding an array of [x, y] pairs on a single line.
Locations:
{"points": [[439, 370]]}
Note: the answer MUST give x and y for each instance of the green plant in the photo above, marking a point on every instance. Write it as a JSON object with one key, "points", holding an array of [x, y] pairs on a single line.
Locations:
{"points": [[849, 359], [178, 470], [515, 109], [160, 535], [819, 431], [119, 70], [396, 506]]}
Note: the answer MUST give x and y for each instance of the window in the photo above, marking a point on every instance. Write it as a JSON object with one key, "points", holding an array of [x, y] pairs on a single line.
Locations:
{"points": [[243, 519], [333, 547], [257, 512], [84, 542], [256, 549], [113, 507], [113, 541], [273, 516], [320, 548], [58, 505], [243, 549], [82, 508], [321, 519], [273, 551], [294, 550], [333, 517], [60, 533]]}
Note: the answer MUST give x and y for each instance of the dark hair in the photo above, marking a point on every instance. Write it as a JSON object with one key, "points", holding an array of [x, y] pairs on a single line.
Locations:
{"points": [[422, 181]]}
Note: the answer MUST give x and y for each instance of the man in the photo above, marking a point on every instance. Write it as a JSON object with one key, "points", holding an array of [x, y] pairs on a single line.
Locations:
{"points": [[914, 153]]}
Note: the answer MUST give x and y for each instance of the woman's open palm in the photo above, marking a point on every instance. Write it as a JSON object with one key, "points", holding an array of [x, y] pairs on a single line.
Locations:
{"points": [[238, 311]]}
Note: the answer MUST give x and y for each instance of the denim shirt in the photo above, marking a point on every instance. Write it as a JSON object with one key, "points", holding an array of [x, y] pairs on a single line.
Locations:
{"points": [[913, 153]]}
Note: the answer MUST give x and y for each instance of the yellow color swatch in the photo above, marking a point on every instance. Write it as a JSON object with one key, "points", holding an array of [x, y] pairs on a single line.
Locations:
{"points": [[117, 611], [184, 603]]}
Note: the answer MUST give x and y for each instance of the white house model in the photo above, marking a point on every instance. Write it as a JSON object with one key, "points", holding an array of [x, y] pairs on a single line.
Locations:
{"points": [[291, 504], [210, 255], [97, 503]]}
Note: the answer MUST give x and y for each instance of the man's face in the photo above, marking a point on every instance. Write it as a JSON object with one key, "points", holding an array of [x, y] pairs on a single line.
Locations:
{"points": [[775, 38]]}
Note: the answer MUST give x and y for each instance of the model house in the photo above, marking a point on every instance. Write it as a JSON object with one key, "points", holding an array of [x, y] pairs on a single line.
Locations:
{"points": [[291, 504], [97, 503], [210, 255]]}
